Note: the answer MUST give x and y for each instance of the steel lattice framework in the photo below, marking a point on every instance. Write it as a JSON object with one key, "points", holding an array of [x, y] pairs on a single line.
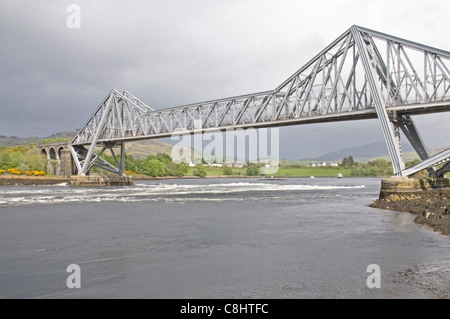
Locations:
{"points": [[363, 74]]}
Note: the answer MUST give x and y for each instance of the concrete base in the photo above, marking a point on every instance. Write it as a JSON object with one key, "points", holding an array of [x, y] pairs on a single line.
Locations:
{"points": [[99, 180], [399, 185]]}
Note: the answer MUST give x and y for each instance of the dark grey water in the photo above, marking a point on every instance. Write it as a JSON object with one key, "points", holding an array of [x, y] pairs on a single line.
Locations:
{"points": [[227, 238]]}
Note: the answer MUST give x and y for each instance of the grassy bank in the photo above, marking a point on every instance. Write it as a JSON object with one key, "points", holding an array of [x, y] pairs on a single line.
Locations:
{"points": [[317, 172], [282, 172]]}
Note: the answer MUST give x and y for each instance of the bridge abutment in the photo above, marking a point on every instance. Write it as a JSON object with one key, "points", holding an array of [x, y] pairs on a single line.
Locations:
{"points": [[100, 180], [427, 198], [397, 186]]}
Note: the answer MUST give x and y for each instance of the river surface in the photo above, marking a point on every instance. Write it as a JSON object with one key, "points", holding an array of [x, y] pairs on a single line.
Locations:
{"points": [[216, 238]]}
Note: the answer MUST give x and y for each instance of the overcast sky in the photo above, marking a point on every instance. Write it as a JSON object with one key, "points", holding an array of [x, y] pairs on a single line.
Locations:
{"points": [[170, 53]]}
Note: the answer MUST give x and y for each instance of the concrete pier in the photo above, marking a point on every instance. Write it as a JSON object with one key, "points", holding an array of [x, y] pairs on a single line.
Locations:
{"points": [[405, 186], [427, 198], [99, 180]]}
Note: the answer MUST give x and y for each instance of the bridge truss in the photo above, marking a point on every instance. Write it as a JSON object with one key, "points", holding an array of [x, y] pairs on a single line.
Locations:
{"points": [[363, 74]]}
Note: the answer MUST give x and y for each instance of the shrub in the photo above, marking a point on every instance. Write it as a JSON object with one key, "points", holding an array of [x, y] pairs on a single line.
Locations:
{"points": [[14, 171], [36, 162], [183, 168], [38, 173], [252, 171], [54, 140], [227, 170], [154, 168], [24, 168], [199, 170]]}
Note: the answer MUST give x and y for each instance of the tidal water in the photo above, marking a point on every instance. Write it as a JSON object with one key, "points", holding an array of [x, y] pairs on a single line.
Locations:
{"points": [[216, 238]]}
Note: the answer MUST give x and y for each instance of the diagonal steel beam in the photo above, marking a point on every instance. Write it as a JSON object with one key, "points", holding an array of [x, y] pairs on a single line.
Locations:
{"points": [[98, 132], [388, 131], [434, 160]]}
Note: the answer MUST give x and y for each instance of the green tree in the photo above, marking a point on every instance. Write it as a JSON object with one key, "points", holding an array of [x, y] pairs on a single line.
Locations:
{"points": [[199, 170], [130, 164], [54, 140], [16, 159], [252, 170], [139, 166], [174, 169], [5, 160], [36, 162], [380, 163], [227, 170], [163, 158], [171, 168], [183, 168], [348, 162], [154, 168]]}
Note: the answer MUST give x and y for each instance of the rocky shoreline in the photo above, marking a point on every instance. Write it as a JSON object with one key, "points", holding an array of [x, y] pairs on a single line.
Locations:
{"points": [[431, 207]]}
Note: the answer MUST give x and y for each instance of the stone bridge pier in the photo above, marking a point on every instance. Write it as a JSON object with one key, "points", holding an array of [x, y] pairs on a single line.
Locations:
{"points": [[59, 158]]}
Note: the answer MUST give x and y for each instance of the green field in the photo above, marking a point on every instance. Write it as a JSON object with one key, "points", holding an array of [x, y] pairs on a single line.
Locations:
{"points": [[283, 172], [312, 171]]}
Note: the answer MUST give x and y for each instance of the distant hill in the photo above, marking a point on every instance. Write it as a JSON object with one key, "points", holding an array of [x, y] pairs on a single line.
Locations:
{"points": [[10, 141], [144, 148], [140, 149]]}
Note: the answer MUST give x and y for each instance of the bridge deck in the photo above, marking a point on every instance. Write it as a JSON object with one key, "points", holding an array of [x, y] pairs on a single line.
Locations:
{"points": [[369, 113]]}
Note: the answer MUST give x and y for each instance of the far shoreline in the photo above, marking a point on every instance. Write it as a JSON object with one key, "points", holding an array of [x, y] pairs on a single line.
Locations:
{"points": [[10, 180]]}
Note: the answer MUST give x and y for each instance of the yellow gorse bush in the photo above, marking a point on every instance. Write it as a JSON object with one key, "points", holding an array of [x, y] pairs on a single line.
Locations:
{"points": [[14, 171], [38, 173]]}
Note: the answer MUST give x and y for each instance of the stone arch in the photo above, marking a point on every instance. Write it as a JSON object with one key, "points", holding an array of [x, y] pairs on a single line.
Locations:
{"points": [[53, 154], [60, 149], [44, 152]]}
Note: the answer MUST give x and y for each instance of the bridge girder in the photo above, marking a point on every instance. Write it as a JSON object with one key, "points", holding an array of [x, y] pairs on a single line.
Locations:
{"points": [[362, 74]]}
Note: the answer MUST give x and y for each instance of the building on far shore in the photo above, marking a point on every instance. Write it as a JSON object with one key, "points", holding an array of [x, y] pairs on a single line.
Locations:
{"points": [[334, 164], [215, 164]]}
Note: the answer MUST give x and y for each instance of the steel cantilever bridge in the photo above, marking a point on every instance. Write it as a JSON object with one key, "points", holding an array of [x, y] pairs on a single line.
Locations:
{"points": [[363, 74]]}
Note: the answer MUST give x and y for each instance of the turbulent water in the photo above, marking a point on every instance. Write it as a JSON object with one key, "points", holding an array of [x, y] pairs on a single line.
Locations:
{"points": [[216, 238]]}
